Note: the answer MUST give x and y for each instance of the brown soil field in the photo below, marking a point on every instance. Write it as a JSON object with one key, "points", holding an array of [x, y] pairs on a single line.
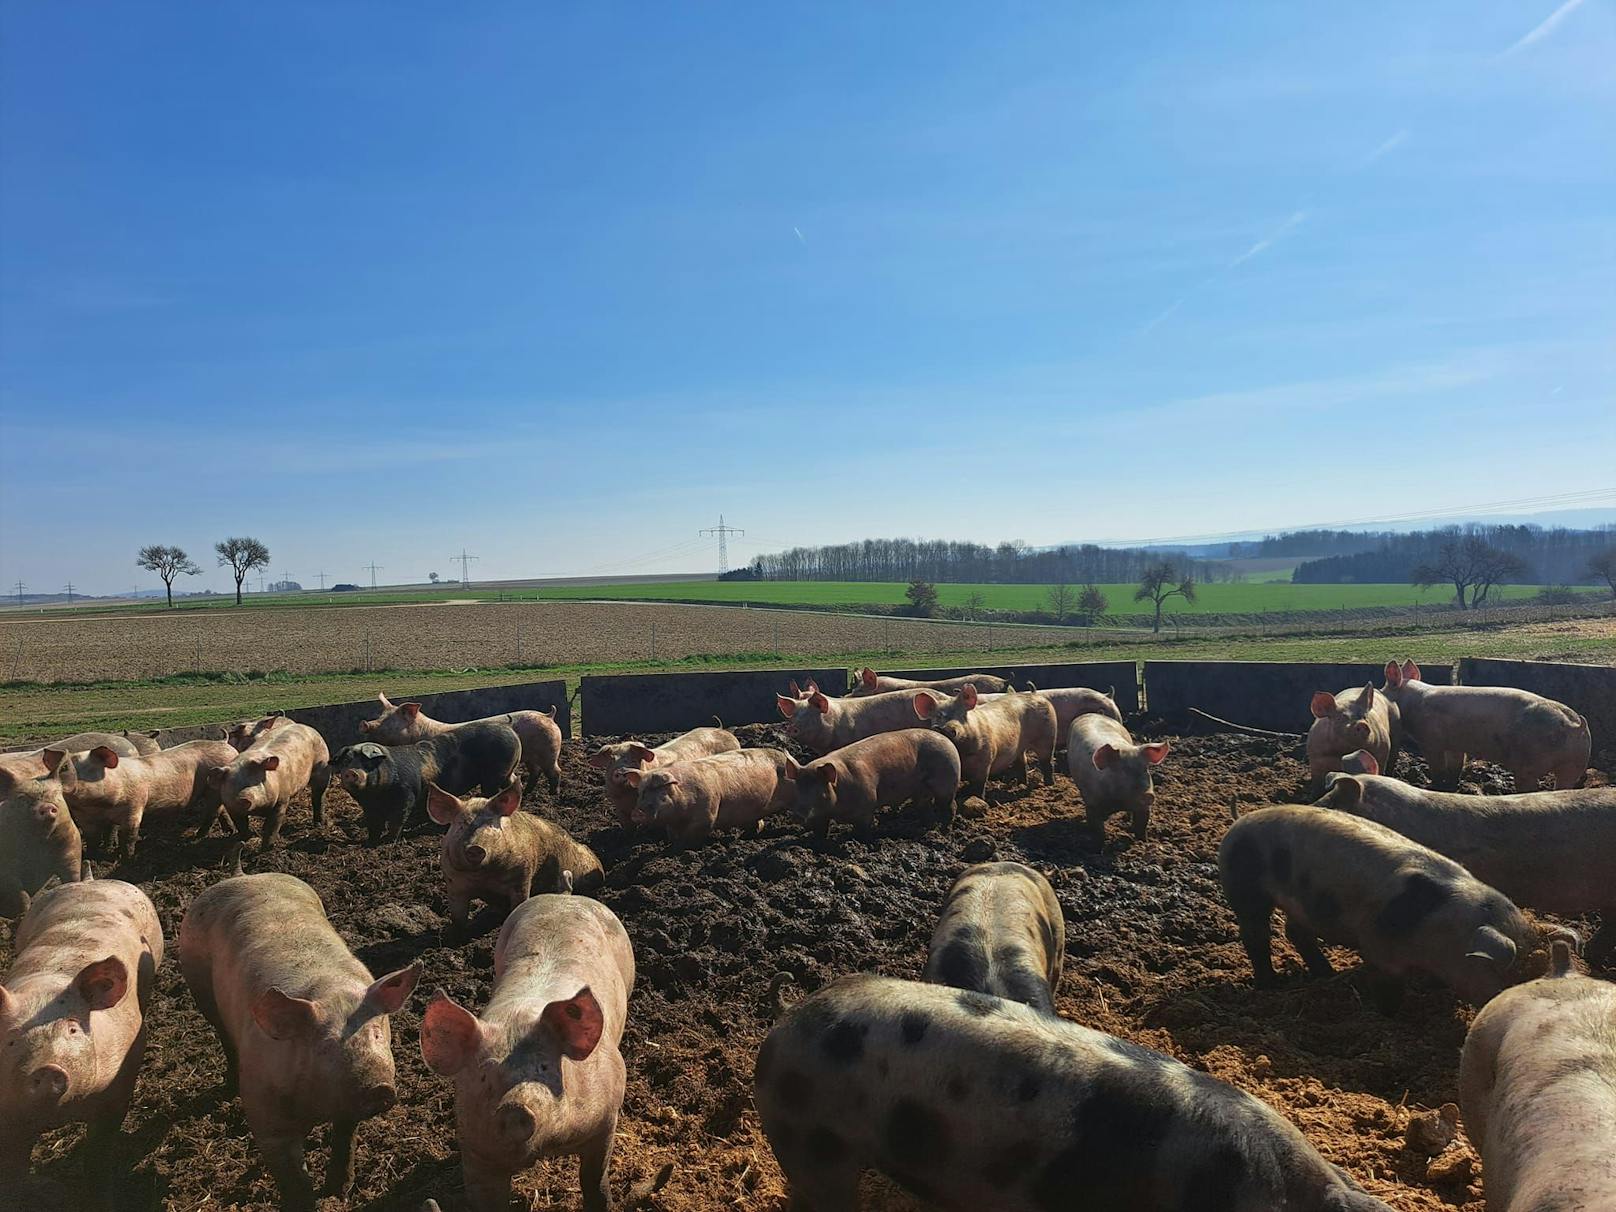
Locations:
{"points": [[456, 636], [1151, 956]]}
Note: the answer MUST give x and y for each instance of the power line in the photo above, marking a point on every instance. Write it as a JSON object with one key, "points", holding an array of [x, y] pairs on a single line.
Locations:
{"points": [[20, 588], [69, 589], [465, 562], [374, 568], [723, 532], [321, 575]]}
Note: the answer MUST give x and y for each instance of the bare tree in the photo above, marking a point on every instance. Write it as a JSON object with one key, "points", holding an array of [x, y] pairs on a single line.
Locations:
{"points": [[1061, 599], [1603, 567], [168, 563], [1472, 566], [1160, 582], [241, 556], [974, 602], [1092, 603]]}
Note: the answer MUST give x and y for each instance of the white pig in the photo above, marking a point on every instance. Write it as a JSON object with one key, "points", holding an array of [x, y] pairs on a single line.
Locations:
{"points": [[1112, 773]]}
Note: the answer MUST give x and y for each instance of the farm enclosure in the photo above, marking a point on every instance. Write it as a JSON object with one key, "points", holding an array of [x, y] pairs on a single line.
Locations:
{"points": [[1152, 956]]}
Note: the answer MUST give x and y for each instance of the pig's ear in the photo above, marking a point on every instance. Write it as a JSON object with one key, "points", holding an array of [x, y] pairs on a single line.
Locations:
{"points": [[1394, 674], [440, 805], [1156, 753], [812, 687], [633, 777], [792, 769], [968, 693], [450, 1035], [411, 709], [796, 690], [1491, 944], [282, 1016], [272, 762], [1343, 791], [391, 992], [107, 757], [1323, 705], [8, 1004], [645, 753], [869, 677], [819, 702], [830, 773], [601, 758], [1104, 756], [1369, 762], [381, 697], [507, 801], [216, 774], [1366, 696], [925, 705], [788, 707], [53, 759], [576, 1022], [103, 983], [1411, 672]]}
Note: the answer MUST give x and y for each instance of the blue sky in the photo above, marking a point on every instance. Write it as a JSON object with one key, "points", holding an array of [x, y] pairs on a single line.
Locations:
{"points": [[560, 284]]}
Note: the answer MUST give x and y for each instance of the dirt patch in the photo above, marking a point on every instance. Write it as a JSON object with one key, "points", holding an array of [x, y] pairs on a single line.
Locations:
{"points": [[1151, 955]]}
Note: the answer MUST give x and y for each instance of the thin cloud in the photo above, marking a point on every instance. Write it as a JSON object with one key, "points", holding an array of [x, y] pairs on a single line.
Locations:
{"points": [[1295, 220], [1386, 148], [798, 232], [1163, 315], [1545, 28]]}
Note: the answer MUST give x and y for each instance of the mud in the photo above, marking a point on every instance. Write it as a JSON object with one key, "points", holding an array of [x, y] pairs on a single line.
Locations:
{"points": [[1151, 955]]}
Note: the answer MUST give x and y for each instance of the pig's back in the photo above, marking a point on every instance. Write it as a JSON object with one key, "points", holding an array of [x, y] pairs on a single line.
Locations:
{"points": [[553, 944], [88, 921]]}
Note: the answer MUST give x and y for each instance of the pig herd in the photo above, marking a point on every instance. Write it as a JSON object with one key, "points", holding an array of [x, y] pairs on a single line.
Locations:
{"points": [[967, 1087]]}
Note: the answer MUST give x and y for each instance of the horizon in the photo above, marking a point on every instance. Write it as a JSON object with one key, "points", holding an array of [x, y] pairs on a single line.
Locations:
{"points": [[560, 289]]}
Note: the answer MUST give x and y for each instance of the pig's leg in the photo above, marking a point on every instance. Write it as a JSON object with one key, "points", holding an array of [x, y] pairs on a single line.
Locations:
{"points": [[594, 1163], [1307, 946], [487, 1189], [272, 824], [129, 836], [396, 826], [283, 1158], [553, 777], [318, 782], [823, 1189], [1141, 823], [1096, 823], [1569, 774], [339, 1173], [1046, 765], [200, 981], [100, 1142], [1253, 912], [459, 910]]}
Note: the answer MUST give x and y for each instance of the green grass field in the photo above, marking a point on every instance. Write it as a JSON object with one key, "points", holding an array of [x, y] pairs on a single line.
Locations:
{"points": [[1241, 597]]}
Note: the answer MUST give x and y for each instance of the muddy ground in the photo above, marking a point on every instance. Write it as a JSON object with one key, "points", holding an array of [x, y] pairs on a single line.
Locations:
{"points": [[1151, 955]]}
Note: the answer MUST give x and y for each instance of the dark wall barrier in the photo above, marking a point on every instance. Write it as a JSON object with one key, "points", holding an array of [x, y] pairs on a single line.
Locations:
{"points": [[1590, 689], [1263, 694], [629, 703], [1097, 675], [339, 723]]}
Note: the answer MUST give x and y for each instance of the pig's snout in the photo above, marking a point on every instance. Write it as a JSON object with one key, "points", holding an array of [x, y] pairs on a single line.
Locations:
{"points": [[515, 1124], [379, 1098], [475, 854], [48, 1084], [45, 812]]}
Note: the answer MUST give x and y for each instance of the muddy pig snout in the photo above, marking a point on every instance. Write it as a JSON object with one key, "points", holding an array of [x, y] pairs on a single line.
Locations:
{"points": [[45, 811], [515, 1124], [377, 1099], [475, 854], [48, 1084]]}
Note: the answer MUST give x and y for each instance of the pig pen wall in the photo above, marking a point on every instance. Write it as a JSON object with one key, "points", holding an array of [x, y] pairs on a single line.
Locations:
{"points": [[339, 723], [1261, 694], [620, 704]]}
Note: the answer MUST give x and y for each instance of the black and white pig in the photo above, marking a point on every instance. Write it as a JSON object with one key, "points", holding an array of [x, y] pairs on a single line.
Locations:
{"points": [[1001, 932]]}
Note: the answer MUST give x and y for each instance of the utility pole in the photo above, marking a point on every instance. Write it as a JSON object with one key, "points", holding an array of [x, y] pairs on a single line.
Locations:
{"points": [[465, 562], [723, 532], [260, 582], [69, 590], [374, 567], [20, 588], [321, 575], [286, 580]]}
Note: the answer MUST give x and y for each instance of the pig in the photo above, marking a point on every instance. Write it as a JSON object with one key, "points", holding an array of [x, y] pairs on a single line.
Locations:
{"points": [[266, 775], [22, 766], [724, 791], [538, 1073], [105, 791], [494, 852], [1526, 734], [1001, 932], [242, 735], [1350, 881], [538, 732], [1346, 722], [991, 737], [145, 743], [1072, 701], [823, 724], [1537, 1086], [301, 1022], [879, 771], [867, 682], [1553, 851], [971, 1102], [389, 782], [617, 759], [72, 1011], [38, 839], [1112, 773]]}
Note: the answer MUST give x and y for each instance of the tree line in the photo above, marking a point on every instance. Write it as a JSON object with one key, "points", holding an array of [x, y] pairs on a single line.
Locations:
{"points": [[946, 561], [1526, 555]]}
